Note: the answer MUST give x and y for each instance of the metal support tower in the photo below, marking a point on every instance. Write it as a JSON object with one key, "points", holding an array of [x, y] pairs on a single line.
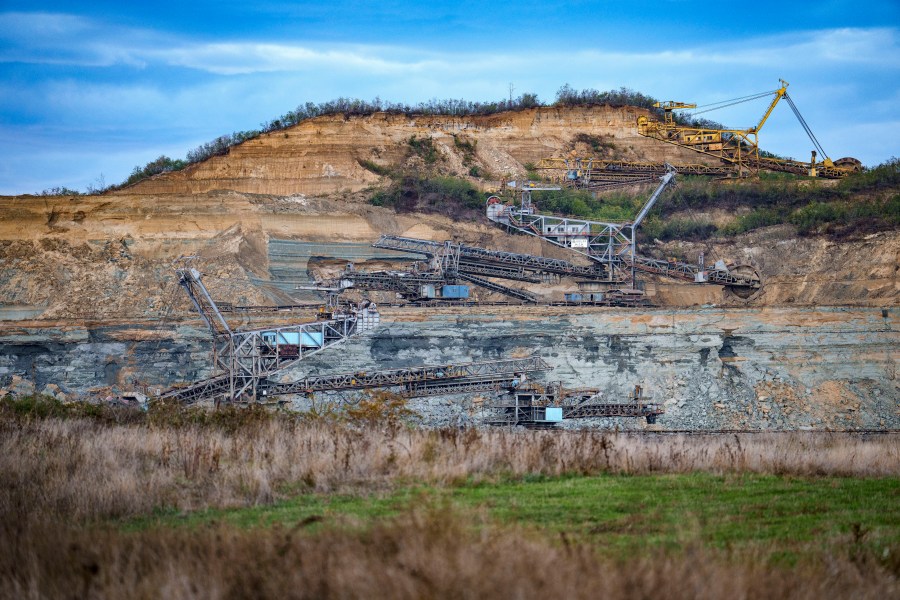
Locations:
{"points": [[241, 359], [610, 244], [613, 245]]}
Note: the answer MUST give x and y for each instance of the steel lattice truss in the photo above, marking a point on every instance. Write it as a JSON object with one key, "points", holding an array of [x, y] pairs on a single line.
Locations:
{"points": [[610, 244], [528, 406], [406, 283], [422, 380], [599, 173], [496, 287], [449, 262], [242, 359], [613, 244], [472, 255], [261, 353], [689, 272]]}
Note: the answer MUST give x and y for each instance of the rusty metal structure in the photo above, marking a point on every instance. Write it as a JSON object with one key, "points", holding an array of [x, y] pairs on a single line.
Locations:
{"points": [[248, 360], [410, 382], [599, 174], [613, 245], [740, 147], [450, 263], [420, 381], [537, 407], [244, 358], [736, 150]]}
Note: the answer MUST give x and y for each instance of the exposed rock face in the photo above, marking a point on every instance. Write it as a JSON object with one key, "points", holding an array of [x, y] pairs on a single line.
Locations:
{"points": [[111, 257], [88, 297], [322, 155], [711, 368]]}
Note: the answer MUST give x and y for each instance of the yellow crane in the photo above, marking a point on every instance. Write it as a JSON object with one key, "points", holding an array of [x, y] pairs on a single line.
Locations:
{"points": [[737, 149], [741, 146]]}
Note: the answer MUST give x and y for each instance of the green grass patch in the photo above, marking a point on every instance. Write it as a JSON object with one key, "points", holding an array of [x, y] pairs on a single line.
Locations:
{"points": [[612, 207], [599, 145], [862, 203], [450, 196], [374, 167], [670, 510], [624, 514], [424, 148], [467, 148]]}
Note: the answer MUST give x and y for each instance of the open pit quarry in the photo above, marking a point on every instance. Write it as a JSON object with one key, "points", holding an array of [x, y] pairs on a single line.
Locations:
{"points": [[90, 305]]}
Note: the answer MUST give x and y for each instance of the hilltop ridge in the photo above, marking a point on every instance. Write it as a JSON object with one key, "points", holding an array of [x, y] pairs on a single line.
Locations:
{"points": [[330, 153]]}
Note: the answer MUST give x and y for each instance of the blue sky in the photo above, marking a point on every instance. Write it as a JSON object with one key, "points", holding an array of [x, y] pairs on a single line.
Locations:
{"points": [[90, 90]]}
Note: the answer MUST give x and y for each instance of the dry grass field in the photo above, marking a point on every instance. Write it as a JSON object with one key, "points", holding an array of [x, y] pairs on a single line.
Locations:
{"points": [[108, 504]]}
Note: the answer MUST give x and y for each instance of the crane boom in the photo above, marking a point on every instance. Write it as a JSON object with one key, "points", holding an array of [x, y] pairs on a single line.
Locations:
{"points": [[189, 279], [779, 94], [665, 181], [740, 147], [613, 245]]}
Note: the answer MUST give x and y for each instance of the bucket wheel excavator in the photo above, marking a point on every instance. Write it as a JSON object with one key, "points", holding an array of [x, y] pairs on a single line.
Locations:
{"points": [[737, 150], [740, 147]]}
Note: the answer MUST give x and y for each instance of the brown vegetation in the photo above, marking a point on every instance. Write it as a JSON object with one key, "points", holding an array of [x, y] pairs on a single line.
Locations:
{"points": [[64, 482], [421, 555], [86, 470]]}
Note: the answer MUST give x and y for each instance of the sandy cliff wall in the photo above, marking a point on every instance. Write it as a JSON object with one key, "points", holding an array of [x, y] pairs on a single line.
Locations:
{"points": [[321, 155], [111, 257], [88, 295]]}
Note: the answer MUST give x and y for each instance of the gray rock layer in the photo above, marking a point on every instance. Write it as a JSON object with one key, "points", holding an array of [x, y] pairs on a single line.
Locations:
{"points": [[711, 368]]}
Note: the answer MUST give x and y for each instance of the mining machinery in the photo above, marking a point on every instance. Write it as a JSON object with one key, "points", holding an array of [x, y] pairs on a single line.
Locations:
{"points": [[740, 147], [736, 149], [435, 278], [599, 174], [246, 363], [446, 264], [416, 381], [244, 358], [613, 245], [424, 281], [534, 406]]}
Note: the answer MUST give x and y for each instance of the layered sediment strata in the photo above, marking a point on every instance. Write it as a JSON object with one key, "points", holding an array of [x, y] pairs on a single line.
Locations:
{"points": [[710, 368]]}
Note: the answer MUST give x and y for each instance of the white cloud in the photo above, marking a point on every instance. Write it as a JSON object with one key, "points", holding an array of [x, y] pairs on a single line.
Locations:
{"points": [[245, 58], [50, 38], [211, 88], [832, 48]]}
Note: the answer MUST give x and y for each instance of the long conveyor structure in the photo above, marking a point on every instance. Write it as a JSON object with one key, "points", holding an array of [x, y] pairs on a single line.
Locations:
{"points": [[418, 381], [471, 257], [613, 245], [539, 407], [246, 362]]}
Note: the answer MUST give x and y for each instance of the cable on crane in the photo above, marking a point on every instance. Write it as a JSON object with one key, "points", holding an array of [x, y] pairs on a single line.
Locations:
{"points": [[734, 101], [806, 128]]}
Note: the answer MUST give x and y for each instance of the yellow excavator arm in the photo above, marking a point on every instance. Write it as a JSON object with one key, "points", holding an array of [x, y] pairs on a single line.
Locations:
{"points": [[779, 94], [741, 146]]}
